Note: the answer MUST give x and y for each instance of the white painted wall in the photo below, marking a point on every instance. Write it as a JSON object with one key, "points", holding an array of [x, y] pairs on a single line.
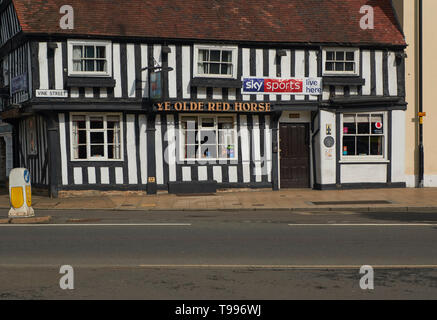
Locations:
{"points": [[364, 173], [398, 146], [327, 169]]}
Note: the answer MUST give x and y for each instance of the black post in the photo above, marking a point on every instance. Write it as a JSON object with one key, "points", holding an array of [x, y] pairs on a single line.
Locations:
{"points": [[275, 149], [54, 154]]}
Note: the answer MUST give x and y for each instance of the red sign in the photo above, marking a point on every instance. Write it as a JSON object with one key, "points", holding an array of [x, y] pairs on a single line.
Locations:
{"points": [[280, 85]]}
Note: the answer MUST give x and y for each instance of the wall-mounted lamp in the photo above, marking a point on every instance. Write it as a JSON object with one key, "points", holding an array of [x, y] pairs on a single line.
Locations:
{"points": [[52, 45], [165, 49], [281, 53]]}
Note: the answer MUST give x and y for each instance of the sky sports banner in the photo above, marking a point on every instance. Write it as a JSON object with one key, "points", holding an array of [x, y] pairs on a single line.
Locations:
{"points": [[293, 86]]}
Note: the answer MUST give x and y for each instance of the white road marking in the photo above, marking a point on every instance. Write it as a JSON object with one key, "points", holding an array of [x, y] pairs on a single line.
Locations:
{"points": [[249, 266], [100, 225], [362, 224], [223, 266]]}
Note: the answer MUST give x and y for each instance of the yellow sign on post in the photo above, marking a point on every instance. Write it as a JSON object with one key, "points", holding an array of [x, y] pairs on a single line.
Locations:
{"points": [[20, 193]]}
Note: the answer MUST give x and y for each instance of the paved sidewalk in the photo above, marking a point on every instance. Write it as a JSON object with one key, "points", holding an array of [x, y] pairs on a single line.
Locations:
{"points": [[291, 199]]}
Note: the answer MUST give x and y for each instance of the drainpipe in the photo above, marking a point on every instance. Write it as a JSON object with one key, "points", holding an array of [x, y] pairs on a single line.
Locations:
{"points": [[420, 74]]}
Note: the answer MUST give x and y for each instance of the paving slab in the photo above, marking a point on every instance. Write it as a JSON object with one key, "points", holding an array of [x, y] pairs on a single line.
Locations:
{"points": [[258, 199]]}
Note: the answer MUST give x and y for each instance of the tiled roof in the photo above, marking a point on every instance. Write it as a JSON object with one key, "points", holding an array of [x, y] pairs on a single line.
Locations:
{"points": [[292, 21]]}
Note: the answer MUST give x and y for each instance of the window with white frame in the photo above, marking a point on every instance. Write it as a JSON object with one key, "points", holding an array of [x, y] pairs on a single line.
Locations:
{"points": [[208, 138], [364, 135], [93, 58], [96, 137], [341, 61], [215, 61]]}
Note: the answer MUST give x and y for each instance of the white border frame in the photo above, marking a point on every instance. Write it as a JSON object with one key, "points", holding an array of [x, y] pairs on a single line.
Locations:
{"points": [[341, 73], [88, 114], [358, 159], [107, 44], [206, 115], [234, 50]]}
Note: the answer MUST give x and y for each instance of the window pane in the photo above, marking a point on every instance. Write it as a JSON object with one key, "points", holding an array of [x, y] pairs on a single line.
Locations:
{"points": [[348, 146], [112, 120], [226, 137], [114, 151], [339, 66], [349, 126], [97, 151], [214, 68], [101, 53], [208, 151], [82, 137], [339, 56], [329, 66], [350, 56], [89, 65], [350, 66], [96, 122], [82, 152], [377, 124], [77, 65], [330, 55], [191, 151], [89, 52], [203, 67], [207, 122], [77, 52], [226, 69], [79, 122], [97, 137], [215, 55], [226, 56], [189, 123], [226, 123], [376, 146], [363, 124], [101, 66], [208, 137], [110, 134], [203, 55], [226, 151], [190, 137], [363, 146]]}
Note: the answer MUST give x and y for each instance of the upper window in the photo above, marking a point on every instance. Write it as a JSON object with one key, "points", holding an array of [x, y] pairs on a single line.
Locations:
{"points": [[364, 136], [215, 61], [208, 138], [96, 137], [89, 58], [341, 61]]}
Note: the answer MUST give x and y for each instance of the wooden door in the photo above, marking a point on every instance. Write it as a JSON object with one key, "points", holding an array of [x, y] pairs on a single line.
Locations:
{"points": [[295, 155]]}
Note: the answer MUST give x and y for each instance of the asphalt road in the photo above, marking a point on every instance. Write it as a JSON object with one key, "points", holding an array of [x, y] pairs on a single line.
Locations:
{"points": [[221, 255]]}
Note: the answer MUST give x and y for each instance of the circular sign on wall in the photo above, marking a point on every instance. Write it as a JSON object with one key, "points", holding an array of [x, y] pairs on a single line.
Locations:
{"points": [[329, 142], [378, 125]]}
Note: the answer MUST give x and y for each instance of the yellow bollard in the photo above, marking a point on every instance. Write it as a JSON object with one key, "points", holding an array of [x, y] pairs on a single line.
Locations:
{"points": [[20, 193]]}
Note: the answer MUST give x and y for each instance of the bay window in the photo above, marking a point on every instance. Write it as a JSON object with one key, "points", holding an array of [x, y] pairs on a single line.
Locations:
{"points": [[96, 137]]}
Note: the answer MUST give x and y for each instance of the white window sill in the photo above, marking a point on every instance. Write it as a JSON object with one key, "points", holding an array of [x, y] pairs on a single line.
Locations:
{"points": [[97, 160], [358, 161]]}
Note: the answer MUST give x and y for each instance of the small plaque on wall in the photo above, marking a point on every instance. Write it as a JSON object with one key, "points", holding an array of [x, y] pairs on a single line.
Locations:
{"points": [[329, 142]]}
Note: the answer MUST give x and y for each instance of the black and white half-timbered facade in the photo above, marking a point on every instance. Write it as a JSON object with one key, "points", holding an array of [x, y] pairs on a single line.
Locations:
{"points": [[192, 95]]}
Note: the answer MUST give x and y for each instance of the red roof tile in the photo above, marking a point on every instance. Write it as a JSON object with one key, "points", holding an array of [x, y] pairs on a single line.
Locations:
{"points": [[294, 21]]}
